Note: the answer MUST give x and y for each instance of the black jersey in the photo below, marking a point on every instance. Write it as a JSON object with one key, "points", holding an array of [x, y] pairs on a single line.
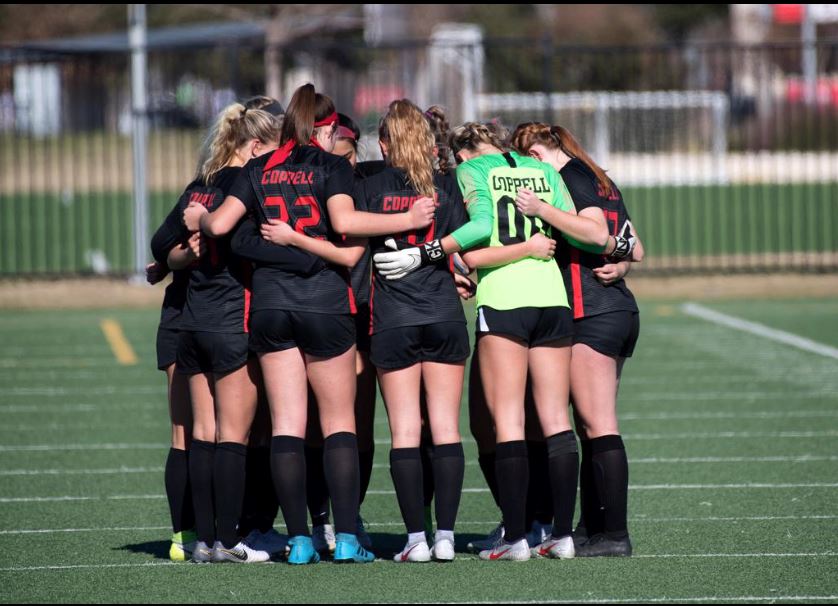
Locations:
{"points": [[218, 297], [295, 189], [587, 296], [360, 274], [171, 233], [428, 295]]}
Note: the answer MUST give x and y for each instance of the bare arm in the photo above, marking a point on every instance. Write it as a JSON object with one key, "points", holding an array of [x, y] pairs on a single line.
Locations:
{"points": [[346, 220], [218, 223], [347, 253], [588, 227], [538, 247], [183, 255]]}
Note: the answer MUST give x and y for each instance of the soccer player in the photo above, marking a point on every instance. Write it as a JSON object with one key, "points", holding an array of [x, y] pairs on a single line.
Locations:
{"points": [[524, 323], [302, 327], [419, 336], [606, 328]]}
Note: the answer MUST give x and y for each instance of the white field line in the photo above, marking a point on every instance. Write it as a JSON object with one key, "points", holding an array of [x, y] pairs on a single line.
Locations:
{"points": [[399, 523], [646, 460], [139, 497], [644, 600], [719, 435], [827, 554], [754, 328]]}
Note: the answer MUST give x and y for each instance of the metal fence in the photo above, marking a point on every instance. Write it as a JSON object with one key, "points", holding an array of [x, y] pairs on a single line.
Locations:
{"points": [[727, 156]]}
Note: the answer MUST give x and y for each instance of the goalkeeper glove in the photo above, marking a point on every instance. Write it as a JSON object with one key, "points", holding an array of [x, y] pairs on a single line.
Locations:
{"points": [[402, 261]]}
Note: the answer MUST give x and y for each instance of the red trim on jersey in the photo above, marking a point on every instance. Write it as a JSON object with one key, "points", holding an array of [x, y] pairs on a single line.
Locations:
{"points": [[280, 155], [372, 298], [576, 281], [353, 309], [248, 282]]}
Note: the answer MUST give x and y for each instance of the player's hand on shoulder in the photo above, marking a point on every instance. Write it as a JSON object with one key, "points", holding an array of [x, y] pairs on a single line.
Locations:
{"points": [[422, 212], [192, 216]]}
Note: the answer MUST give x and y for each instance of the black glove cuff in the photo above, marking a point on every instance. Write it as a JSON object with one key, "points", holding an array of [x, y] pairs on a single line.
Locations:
{"points": [[431, 252]]}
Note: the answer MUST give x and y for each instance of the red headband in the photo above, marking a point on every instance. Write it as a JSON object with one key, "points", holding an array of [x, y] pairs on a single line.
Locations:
{"points": [[333, 117], [345, 133]]}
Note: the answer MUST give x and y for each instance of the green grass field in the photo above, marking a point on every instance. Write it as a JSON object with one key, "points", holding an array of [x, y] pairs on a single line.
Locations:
{"points": [[732, 441]]}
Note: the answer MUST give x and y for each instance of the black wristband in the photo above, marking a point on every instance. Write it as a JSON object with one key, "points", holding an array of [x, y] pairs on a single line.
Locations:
{"points": [[431, 252]]}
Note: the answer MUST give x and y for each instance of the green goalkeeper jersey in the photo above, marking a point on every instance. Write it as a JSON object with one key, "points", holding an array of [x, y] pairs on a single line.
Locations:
{"points": [[490, 184]]}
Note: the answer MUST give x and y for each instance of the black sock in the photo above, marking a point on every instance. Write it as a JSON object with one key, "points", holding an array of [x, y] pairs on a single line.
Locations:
{"points": [[406, 470], [317, 493], [426, 451], [228, 479], [258, 492], [178, 490], [539, 497], [591, 517], [610, 466], [486, 460], [365, 462], [340, 462], [563, 462], [512, 468], [449, 469], [288, 469], [201, 455]]}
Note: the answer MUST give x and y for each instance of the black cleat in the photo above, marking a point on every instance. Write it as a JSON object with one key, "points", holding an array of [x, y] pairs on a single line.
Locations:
{"points": [[580, 536], [601, 546]]}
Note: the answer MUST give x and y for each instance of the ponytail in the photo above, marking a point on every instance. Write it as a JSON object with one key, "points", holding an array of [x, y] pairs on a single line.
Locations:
{"points": [[307, 106], [435, 115]]}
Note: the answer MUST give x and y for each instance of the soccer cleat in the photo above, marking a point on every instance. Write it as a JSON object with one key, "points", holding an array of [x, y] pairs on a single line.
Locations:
{"points": [[349, 550], [239, 554], [183, 543], [418, 552], [518, 551], [202, 553], [538, 533], [488, 542], [270, 541], [443, 549], [602, 546], [361, 532], [562, 549], [323, 537], [302, 551], [580, 536]]}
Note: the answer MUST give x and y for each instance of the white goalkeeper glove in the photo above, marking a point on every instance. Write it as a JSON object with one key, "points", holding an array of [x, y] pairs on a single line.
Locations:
{"points": [[397, 264]]}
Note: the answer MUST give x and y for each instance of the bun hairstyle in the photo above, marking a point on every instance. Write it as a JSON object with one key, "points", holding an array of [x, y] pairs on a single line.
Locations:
{"points": [[307, 106], [557, 137], [410, 144], [235, 126], [435, 115], [471, 134]]}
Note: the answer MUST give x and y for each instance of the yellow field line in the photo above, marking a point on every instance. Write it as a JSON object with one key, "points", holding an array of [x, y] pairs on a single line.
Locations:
{"points": [[122, 350]]}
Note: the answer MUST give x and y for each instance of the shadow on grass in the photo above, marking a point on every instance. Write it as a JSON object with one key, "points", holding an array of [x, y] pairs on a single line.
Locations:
{"points": [[158, 549]]}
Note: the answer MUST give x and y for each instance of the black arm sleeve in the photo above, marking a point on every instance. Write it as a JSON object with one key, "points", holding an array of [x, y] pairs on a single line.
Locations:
{"points": [[170, 233], [247, 242]]}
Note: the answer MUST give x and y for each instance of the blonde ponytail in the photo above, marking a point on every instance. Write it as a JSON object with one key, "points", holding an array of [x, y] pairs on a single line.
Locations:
{"points": [[410, 144]]}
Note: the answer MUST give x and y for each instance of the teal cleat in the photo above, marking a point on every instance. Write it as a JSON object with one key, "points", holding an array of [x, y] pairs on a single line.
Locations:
{"points": [[348, 550], [302, 551]]}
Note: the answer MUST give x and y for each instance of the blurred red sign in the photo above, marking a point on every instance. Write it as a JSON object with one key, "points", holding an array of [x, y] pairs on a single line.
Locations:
{"points": [[788, 14], [376, 98]]}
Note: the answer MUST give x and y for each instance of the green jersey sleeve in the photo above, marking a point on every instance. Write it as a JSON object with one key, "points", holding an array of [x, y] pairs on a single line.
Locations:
{"points": [[474, 185]]}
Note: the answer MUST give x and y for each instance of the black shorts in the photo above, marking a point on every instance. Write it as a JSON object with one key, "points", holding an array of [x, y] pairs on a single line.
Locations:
{"points": [[321, 335], [445, 342], [535, 326], [216, 352], [362, 327], [612, 334], [167, 341]]}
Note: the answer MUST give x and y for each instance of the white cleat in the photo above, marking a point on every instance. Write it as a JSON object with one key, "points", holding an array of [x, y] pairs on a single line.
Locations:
{"points": [[418, 552], [518, 551], [489, 542], [240, 554], [202, 553], [561, 549], [270, 541], [443, 549], [538, 534], [323, 538]]}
